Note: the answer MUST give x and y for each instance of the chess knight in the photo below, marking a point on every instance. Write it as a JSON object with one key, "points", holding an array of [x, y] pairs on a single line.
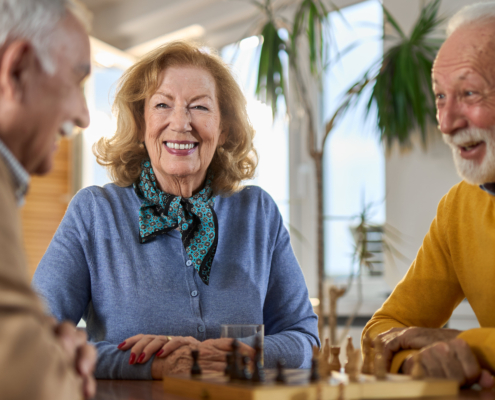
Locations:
{"points": [[456, 259]]}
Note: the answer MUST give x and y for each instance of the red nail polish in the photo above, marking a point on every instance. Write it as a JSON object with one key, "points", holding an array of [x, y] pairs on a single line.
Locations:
{"points": [[132, 358], [121, 345], [159, 353], [141, 357]]}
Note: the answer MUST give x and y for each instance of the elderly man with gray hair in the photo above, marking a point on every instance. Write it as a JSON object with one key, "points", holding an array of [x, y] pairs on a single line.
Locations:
{"points": [[44, 58], [456, 259]]}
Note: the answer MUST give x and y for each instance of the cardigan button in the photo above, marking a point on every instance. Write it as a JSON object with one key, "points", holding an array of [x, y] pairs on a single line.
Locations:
{"points": [[188, 263], [201, 328], [194, 293]]}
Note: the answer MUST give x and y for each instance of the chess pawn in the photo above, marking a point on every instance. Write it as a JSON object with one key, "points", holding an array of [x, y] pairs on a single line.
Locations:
{"points": [[235, 372], [324, 360], [417, 371], [280, 378], [368, 360], [335, 363], [195, 369], [354, 367], [314, 375], [380, 366], [348, 350]]}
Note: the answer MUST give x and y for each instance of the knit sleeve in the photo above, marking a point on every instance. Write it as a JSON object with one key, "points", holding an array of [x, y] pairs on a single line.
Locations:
{"points": [[482, 343], [429, 292], [291, 326], [62, 278]]}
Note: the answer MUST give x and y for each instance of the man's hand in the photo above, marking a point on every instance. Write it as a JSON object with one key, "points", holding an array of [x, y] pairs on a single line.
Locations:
{"points": [[453, 360], [74, 342], [212, 356], [397, 339]]}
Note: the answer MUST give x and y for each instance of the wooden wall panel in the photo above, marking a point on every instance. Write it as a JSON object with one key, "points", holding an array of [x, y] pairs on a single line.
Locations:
{"points": [[45, 205]]}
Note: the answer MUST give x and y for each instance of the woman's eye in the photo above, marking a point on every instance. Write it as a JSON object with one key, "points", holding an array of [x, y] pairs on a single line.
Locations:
{"points": [[468, 93], [161, 105], [440, 96], [203, 108]]}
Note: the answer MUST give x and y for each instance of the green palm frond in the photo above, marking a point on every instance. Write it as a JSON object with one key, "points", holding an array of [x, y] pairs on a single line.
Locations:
{"points": [[270, 84], [402, 90]]}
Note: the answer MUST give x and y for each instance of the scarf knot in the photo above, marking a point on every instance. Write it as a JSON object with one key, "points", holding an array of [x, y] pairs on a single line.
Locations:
{"points": [[194, 217]]}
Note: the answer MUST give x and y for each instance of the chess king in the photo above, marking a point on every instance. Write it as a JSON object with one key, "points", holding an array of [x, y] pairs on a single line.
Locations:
{"points": [[456, 259]]}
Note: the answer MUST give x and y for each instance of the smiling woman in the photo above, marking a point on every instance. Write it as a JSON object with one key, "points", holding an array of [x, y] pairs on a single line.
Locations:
{"points": [[157, 261]]}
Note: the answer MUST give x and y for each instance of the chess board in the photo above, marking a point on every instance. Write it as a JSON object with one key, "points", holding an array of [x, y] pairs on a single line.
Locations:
{"points": [[218, 387]]}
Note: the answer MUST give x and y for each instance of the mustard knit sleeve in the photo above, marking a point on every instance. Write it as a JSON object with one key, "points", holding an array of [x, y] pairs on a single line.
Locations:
{"points": [[482, 343], [428, 293]]}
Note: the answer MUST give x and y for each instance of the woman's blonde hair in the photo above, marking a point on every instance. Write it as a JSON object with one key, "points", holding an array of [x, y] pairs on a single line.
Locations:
{"points": [[122, 154]]}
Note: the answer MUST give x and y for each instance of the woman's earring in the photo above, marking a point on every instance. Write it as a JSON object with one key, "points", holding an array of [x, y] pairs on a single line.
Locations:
{"points": [[141, 145], [221, 149]]}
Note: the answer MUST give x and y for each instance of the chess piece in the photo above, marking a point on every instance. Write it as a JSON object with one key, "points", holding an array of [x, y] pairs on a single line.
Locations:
{"points": [[229, 364], [368, 361], [335, 363], [280, 378], [235, 372], [341, 391], [314, 375], [258, 372], [324, 363], [417, 371], [195, 369], [246, 373], [354, 361], [348, 350], [380, 367]]}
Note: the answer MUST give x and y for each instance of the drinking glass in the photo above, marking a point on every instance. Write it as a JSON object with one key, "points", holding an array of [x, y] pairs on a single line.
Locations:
{"points": [[245, 333]]}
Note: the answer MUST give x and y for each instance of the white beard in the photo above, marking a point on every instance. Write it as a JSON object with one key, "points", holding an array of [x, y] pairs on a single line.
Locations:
{"points": [[472, 171]]}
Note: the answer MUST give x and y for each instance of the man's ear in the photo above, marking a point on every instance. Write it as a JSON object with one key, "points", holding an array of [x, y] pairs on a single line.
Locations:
{"points": [[17, 65]]}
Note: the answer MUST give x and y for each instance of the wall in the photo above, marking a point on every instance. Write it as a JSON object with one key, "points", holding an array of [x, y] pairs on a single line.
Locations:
{"points": [[45, 205]]}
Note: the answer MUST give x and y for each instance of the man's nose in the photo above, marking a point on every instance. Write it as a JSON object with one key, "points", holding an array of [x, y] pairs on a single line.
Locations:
{"points": [[451, 117], [180, 120], [82, 116]]}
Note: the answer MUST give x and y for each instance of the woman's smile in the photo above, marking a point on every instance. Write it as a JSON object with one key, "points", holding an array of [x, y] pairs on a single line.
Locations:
{"points": [[180, 147]]}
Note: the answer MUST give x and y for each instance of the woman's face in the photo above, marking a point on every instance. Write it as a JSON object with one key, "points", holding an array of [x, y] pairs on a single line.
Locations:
{"points": [[183, 128]]}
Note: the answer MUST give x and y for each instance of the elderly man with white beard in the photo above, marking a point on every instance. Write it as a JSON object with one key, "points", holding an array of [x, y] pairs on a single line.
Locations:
{"points": [[457, 257]]}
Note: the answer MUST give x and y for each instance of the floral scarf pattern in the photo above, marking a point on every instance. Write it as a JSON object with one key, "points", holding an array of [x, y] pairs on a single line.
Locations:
{"points": [[195, 218]]}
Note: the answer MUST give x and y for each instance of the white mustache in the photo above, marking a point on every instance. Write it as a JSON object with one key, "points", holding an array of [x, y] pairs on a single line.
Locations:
{"points": [[468, 135]]}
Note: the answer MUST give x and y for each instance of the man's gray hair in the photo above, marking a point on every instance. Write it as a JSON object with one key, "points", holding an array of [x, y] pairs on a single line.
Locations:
{"points": [[35, 21], [473, 13]]}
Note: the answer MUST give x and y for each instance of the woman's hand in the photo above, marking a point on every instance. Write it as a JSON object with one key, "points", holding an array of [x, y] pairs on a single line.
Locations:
{"points": [[144, 346], [212, 357]]}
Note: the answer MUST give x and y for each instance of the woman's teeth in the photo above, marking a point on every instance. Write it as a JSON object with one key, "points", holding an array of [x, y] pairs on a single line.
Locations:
{"points": [[181, 146]]}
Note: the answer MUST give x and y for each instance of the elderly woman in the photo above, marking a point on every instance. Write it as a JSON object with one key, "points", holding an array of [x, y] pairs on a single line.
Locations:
{"points": [[157, 260]]}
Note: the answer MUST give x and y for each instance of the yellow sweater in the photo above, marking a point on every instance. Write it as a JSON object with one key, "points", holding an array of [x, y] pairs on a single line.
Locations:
{"points": [[456, 261]]}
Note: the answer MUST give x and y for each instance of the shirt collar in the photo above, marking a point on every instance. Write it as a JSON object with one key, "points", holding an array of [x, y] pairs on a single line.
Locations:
{"points": [[489, 188], [19, 174]]}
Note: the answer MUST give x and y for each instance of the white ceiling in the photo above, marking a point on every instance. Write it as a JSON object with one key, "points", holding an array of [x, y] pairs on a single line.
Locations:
{"points": [[129, 23]]}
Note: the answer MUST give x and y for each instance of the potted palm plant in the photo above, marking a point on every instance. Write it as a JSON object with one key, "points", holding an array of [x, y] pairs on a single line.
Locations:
{"points": [[401, 81]]}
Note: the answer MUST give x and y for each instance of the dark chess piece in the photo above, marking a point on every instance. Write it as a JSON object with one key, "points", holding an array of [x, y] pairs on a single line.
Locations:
{"points": [[280, 378], [195, 369], [259, 371], [230, 356], [235, 372], [315, 375], [246, 373]]}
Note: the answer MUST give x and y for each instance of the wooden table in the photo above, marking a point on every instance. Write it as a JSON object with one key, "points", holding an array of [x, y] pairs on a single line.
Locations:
{"points": [[153, 390]]}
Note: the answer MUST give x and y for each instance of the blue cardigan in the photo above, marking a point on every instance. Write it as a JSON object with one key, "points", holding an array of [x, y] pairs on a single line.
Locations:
{"points": [[95, 268]]}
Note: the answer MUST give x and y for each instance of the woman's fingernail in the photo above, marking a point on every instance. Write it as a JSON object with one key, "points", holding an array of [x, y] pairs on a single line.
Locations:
{"points": [[141, 357], [159, 353], [121, 345], [132, 358]]}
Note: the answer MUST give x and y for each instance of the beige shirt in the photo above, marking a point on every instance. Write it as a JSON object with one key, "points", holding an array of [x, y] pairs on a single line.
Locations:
{"points": [[32, 364]]}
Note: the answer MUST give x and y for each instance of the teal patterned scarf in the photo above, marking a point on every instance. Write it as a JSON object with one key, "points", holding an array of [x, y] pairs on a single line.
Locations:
{"points": [[161, 212]]}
